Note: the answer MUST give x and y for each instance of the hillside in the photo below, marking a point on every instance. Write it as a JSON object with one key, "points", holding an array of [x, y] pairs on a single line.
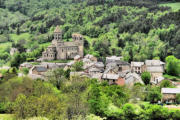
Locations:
{"points": [[137, 30]]}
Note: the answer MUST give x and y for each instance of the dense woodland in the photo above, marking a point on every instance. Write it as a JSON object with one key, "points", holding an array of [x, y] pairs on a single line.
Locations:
{"points": [[135, 29]]}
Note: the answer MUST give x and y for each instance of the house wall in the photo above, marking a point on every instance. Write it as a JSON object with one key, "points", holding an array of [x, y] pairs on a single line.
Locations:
{"points": [[120, 81], [155, 75], [35, 72], [124, 68], [169, 97]]}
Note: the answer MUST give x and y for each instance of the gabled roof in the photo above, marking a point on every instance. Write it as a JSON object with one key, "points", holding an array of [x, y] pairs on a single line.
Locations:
{"points": [[170, 90], [154, 62], [57, 29], [108, 69], [155, 69]]}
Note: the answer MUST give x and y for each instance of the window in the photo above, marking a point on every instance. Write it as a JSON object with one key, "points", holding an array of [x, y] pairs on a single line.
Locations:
{"points": [[120, 68]]}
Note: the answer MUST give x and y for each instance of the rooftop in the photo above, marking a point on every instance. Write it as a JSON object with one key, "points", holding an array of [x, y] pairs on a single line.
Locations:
{"points": [[170, 90], [154, 62]]}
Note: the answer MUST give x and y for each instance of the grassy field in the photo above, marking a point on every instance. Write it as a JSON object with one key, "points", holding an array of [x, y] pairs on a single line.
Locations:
{"points": [[7, 117], [174, 6]]}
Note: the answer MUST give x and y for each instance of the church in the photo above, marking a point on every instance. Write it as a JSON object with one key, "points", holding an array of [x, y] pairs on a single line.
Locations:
{"points": [[61, 50]]}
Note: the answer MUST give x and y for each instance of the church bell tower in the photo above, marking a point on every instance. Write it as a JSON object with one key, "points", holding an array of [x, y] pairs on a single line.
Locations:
{"points": [[58, 34]]}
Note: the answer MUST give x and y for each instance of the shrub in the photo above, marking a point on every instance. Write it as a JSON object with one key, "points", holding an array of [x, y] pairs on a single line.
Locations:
{"points": [[146, 77]]}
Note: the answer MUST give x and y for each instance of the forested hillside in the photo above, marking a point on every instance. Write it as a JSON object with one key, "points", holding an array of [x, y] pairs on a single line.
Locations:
{"points": [[135, 29]]}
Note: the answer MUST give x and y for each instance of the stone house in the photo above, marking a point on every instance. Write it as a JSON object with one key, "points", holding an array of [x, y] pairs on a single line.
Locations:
{"points": [[132, 78], [169, 94], [137, 67], [123, 66], [61, 50], [113, 77], [158, 80], [156, 68]]}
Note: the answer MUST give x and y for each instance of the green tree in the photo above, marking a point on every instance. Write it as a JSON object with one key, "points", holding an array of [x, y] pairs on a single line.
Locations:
{"points": [[173, 66], [146, 77], [78, 66], [19, 106], [166, 84], [154, 94], [178, 98], [56, 77]]}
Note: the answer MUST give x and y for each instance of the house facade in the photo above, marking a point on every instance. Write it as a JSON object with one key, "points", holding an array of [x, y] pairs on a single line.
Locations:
{"points": [[137, 67], [61, 50]]}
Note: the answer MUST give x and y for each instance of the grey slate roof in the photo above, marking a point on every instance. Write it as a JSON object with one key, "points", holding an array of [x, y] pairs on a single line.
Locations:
{"points": [[154, 62], [40, 68], [170, 90], [122, 63], [155, 69]]}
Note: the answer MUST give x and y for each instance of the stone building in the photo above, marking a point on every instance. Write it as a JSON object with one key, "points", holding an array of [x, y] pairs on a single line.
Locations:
{"points": [[137, 67], [156, 68], [61, 50], [169, 94]]}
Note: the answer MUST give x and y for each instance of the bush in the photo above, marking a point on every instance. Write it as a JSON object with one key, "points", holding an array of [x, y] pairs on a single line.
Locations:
{"points": [[154, 95], [25, 71], [146, 77], [173, 66]]}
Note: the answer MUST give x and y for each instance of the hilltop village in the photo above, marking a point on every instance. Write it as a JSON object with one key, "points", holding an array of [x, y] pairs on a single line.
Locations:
{"points": [[114, 70]]}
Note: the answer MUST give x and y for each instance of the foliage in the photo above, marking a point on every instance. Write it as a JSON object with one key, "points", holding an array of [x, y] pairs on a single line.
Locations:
{"points": [[166, 84], [154, 94], [173, 66], [102, 95], [77, 66], [178, 98], [146, 77], [47, 105], [56, 77], [25, 71]]}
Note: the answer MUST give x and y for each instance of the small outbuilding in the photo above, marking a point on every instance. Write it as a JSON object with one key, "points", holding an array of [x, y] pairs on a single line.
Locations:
{"points": [[169, 94]]}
